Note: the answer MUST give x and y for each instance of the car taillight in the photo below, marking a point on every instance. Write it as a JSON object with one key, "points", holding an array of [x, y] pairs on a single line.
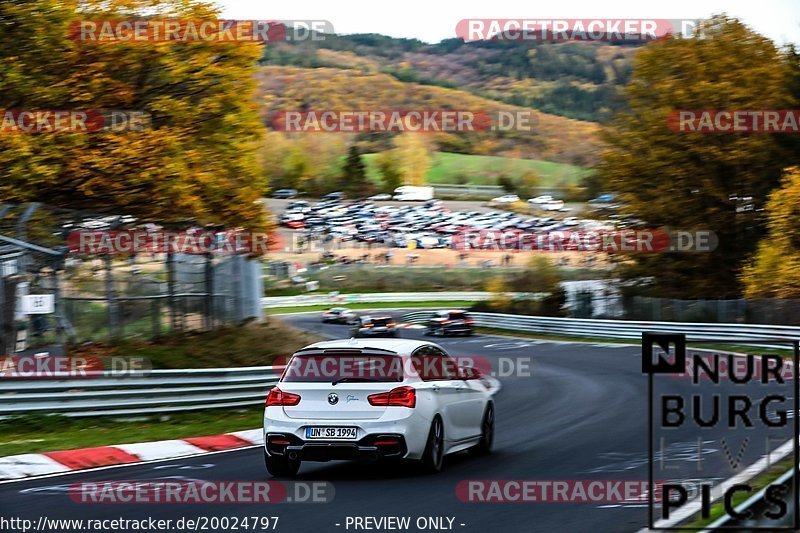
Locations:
{"points": [[278, 397], [400, 397], [469, 321], [391, 324]]}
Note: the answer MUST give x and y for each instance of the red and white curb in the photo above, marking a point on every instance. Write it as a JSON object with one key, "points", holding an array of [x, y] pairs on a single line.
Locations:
{"points": [[40, 464], [14, 467]]}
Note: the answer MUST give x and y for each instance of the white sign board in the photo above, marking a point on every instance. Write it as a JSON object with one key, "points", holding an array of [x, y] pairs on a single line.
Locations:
{"points": [[38, 304]]}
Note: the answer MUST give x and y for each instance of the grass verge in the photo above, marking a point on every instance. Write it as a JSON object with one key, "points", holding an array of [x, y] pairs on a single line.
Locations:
{"points": [[42, 433], [254, 344], [759, 482]]}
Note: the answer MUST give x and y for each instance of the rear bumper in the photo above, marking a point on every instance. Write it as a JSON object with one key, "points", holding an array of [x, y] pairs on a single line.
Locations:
{"points": [[371, 447], [371, 332], [466, 328]]}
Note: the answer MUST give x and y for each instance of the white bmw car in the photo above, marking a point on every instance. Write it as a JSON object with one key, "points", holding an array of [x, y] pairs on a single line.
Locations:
{"points": [[374, 399]]}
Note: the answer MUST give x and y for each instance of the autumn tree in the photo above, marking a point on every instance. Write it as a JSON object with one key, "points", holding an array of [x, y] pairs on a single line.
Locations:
{"points": [[354, 174], [389, 168], [413, 157], [526, 185], [775, 269], [272, 156], [696, 181], [197, 162]]}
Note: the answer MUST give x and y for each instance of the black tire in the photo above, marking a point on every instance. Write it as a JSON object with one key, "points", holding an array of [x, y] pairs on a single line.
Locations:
{"points": [[439, 332], [484, 446], [433, 457], [281, 466]]}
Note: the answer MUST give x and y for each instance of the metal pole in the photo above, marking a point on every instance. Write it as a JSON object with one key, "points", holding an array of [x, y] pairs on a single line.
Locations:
{"points": [[209, 318], [173, 319], [111, 299]]}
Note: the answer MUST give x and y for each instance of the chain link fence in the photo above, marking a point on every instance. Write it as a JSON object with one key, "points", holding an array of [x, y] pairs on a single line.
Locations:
{"points": [[160, 295], [104, 297]]}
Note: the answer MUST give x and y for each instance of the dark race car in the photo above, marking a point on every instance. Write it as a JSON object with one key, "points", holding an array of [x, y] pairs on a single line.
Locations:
{"points": [[452, 322], [339, 315], [375, 326]]}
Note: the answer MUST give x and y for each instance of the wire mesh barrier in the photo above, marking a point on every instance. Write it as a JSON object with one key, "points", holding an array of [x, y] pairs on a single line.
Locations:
{"points": [[53, 294], [753, 311], [142, 301]]}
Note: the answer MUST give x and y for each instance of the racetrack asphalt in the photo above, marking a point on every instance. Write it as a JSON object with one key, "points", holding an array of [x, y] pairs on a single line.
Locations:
{"points": [[580, 415]]}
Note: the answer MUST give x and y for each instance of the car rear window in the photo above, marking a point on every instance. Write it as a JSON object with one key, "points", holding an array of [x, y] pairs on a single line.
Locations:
{"points": [[458, 316], [379, 321], [353, 365]]}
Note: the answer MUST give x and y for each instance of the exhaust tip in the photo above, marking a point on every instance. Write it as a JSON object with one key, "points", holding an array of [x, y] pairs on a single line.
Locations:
{"points": [[292, 455]]}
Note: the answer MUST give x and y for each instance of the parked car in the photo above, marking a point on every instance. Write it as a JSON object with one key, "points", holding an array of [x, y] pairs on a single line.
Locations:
{"points": [[603, 199], [506, 199], [381, 197], [339, 315], [334, 196], [543, 199], [388, 399], [412, 193], [285, 193], [553, 205], [375, 326], [450, 322]]}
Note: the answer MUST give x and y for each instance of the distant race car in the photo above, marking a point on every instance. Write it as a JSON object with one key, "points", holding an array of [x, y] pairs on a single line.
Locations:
{"points": [[339, 315], [375, 326], [375, 399], [452, 322]]}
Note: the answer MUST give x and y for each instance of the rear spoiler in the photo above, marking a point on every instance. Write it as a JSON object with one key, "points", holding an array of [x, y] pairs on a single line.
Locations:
{"points": [[345, 351]]}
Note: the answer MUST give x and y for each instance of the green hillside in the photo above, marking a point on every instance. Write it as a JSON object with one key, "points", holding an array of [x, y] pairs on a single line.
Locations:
{"points": [[484, 170]]}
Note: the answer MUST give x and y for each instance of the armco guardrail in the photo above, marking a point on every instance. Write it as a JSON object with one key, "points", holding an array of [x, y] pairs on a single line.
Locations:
{"points": [[159, 391], [623, 329], [344, 299]]}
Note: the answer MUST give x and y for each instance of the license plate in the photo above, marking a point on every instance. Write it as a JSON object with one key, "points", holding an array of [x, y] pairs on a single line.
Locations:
{"points": [[330, 433]]}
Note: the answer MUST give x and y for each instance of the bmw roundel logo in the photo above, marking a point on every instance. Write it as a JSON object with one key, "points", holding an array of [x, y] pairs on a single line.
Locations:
{"points": [[333, 398]]}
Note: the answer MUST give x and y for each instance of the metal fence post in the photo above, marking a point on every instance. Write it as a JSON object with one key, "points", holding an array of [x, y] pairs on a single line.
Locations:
{"points": [[155, 314], [111, 299], [173, 319], [209, 299]]}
